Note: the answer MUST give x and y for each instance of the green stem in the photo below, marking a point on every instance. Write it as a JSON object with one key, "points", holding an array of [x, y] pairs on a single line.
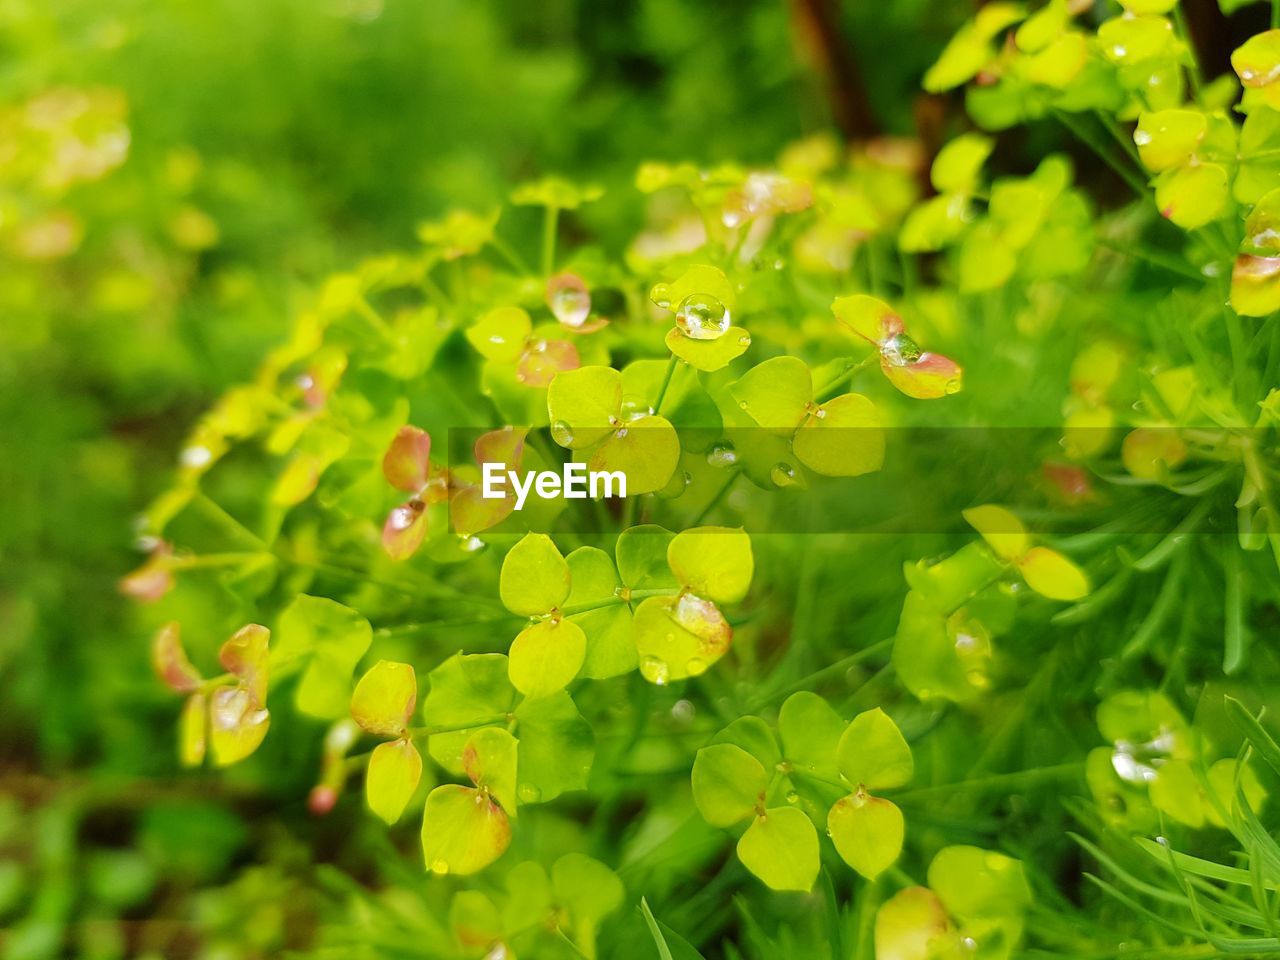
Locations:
{"points": [[1087, 137], [508, 253], [1021, 778], [666, 382], [549, 224], [431, 731], [839, 666], [716, 500]]}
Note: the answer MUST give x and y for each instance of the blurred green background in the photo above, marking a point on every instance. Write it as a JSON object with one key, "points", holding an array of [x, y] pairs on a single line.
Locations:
{"points": [[173, 174]]}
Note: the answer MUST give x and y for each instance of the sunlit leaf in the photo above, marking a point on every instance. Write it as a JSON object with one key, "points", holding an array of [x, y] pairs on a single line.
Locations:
{"points": [[331, 638], [912, 925], [973, 883], [1052, 575], [407, 464], [709, 355], [244, 656], [463, 831], [775, 393], [641, 552], [781, 848], [843, 437], [394, 771], [535, 577], [645, 449], [610, 649], [958, 166], [466, 690], [867, 832], [679, 637], [490, 759], [1002, 531], [728, 784], [810, 730], [584, 405], [544, 657], [385, 698], [873, 754], [714, 562]]}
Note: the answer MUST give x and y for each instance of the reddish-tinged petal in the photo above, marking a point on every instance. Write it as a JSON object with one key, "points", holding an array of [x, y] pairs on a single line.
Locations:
{"points": [[405, 529], [406, 464], [930, 377], [170, 660], [469, 512], [1070, 482], [869, 318], [502, 446], [236, 725], [152, 580], [245, 657], [543, 359]]}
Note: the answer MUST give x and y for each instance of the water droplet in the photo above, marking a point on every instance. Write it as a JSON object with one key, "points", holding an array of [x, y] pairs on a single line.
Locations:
{"points": [[793, 797], [1141, 138], [744, 340], [683, 710], [701, 316], [661, 295], [471, 544], [900, 350], [655, 670], [722, 454], [439, 867], [562, 433], [634, 409], [696, 667], [783, 475], [569, 300], [952, 386], [529, 793], [193, 458]]}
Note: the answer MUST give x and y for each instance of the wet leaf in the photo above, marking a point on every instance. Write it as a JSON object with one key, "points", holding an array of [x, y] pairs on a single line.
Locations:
{"points": [[544, 657], [810, 730], [395, 768], [775, 393], [729, 784], [911, 925], [872, 319], [385, 698], [463, 831], [873, 754], [841, 438], [714, 562], [610, 649], [1052, 575], [781, 848], [490, 759], [407, 464], [642, 557], [467, 690], [557, 748], [535, 577], [709, 355], [1168, 138], [244, 656], [1193, 196], [679, 637], [646, 450], [867, 832], [584, 405], [928, 377], [237, 726]]}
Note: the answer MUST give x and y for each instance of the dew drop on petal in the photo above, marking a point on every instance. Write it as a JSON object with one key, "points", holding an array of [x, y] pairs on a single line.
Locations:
{"points": [[783, 474], [722, 454], [661, 295], [562, 433], [529, 793], [655, 670], [439, 867], [900, 350], [568, 299], [701, 316]]}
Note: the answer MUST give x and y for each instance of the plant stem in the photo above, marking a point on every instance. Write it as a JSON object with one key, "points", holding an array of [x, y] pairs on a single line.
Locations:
{"points": [[1087, 137], [549, 224], [666, 382]]}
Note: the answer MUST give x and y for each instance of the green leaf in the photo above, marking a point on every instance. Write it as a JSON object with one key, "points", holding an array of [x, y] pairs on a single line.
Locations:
{"points": [[958, 166], [500, 334], [1193, 196], [810, 730], [841, 438], [872, 752], [237, 725], [1168, 138], [781, 848], [490, 760], [610, 649], [193, 730], [544, 657], [584, 405], [646, 449], [462, 831], [910, 925], [775, 393], [332, 638], [641, 552], [867, 832], [587, 887], [1003, 532], [754, 736], [1052, 575], [1259, 168], [465, 690], [977, 884], [557, 747], [714, 562], [709, 355], [1254, 732], [679, 637], [385, 697], [729, 784], [535, 577], [391, 779]]}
